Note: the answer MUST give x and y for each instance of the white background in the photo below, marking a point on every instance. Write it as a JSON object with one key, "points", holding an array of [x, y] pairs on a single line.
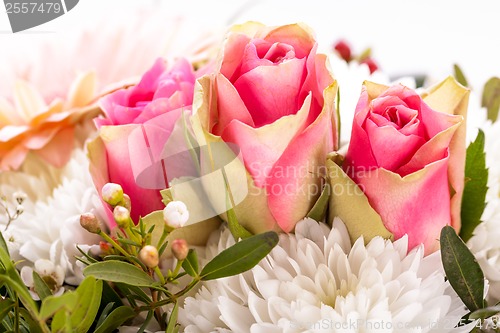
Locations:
{"points": [[407, 37]]}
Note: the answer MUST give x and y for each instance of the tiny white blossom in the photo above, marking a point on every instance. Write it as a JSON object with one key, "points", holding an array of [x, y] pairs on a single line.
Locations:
{"points": [[52, 274], [175, 214]]}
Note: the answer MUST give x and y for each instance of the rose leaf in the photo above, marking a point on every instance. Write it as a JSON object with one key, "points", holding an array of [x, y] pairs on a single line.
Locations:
{"points": [[474, 197]]}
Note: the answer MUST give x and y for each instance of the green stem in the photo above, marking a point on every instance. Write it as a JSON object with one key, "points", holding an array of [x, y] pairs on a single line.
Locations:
{"points": [[160, 275], [115, 244]]}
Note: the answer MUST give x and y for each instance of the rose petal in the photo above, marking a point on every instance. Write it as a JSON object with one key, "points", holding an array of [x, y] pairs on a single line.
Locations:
{"points": [[297, 35], [416, 205], [229, 105], [359, 154], [296, 179], [271, 92], [263, 146], [391, 148], [119, 159]]}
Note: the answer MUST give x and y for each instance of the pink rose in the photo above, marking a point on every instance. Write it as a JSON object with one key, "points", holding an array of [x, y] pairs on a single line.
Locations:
{"points": [[138, 122], [273, 97], [400, 155]]}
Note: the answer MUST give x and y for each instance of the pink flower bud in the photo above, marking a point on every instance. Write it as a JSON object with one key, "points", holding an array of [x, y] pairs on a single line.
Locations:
{"points": [[112, 193], [343, 50], [126, 202], [89, 222], [121, 216], [180, 248], [149, 256]]}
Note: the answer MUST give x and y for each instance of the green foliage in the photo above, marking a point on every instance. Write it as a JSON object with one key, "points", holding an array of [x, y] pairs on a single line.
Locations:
{"points": [[119, 271], [318, 212], [190, 264], [491, 98], [474, 195], [462, 270], [240, 257], [459, 75], [116, 318]]}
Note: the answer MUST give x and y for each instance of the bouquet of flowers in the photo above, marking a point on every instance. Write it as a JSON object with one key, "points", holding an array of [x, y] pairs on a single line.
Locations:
{"points": [[255, 184]]}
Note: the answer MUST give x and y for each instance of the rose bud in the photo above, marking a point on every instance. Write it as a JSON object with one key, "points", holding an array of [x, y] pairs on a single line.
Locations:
{"points": [[271, 96], [343, 50], [407, 155], [175, 214], [112, 193], [89, 222], [121, 216], [180, 248], [371, 64], [149, 256]]}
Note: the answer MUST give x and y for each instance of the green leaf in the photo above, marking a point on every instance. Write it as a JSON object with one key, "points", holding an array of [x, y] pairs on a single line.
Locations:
{"points": [[491, 97], [61, 322], [459, 75], [318, 212], [190, 264], [53, 304], [240, 257], [485, 312], [474, 195], [33, 325], [462, 270], [41, 287], [89, 292], [3, 244], [119, 271], [237, 230], [172, 321], [115, 319], [5, 306]]}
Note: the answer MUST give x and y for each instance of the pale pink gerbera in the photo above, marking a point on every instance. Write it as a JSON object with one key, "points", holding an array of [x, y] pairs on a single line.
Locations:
{"points": [[55, 91], [29, 123]]}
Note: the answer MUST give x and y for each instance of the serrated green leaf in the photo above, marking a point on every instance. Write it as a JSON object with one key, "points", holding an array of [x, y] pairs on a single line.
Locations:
{"points": [[119, 271], [491, 98], [172, 321], [474, 195], [240, 257], [462, 270], [459, 75], [318, 212], [115, 319], [53, 304], [485, 312], [89, 292], [190, 264], [41, 287]]}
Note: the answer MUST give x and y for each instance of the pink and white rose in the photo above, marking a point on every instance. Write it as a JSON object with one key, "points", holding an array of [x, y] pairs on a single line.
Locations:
{"points": [[273, 97], [153, 105], [408, 158]]}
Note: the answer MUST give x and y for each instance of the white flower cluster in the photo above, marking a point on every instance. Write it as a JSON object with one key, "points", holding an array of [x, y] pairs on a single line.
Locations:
{"points": [[50, 229], [316, 281]]}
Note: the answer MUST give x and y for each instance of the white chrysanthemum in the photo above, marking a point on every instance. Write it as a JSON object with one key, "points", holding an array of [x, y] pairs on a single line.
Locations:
{"points": [[315, 281], [51, 230], [350, 78]]}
